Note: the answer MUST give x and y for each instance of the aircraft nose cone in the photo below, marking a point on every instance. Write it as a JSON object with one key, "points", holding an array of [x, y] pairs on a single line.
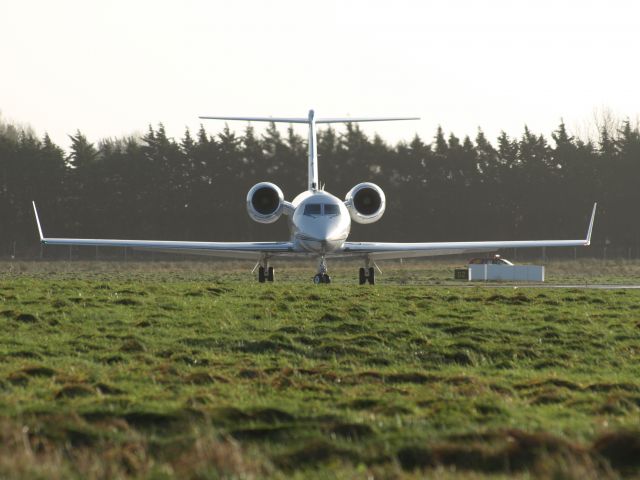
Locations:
{"points": [[328, 232]]}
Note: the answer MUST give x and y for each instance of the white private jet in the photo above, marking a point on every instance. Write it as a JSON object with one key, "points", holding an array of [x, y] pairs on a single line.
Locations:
{"points": [[319, 223]]}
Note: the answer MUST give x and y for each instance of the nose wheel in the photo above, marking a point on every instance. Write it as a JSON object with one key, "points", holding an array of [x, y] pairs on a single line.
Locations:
{"points": [[322, 276]]}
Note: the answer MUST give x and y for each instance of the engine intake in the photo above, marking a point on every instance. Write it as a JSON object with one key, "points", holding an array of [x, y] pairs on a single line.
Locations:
{"points": [[366, 203], [265, 202]]}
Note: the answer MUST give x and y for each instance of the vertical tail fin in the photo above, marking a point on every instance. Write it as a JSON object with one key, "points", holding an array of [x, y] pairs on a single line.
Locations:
{"points": [[314, 181]]}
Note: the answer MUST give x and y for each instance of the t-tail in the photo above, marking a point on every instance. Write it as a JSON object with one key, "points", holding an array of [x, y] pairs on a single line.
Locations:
{"points": [[312, 121]]}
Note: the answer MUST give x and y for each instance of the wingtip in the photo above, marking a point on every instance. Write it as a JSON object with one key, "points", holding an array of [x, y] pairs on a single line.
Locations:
{"points": [[35, 212], [591, 222]]}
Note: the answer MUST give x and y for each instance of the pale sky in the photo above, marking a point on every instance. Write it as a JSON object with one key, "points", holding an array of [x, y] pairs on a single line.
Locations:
{"points": [[110, 68]]}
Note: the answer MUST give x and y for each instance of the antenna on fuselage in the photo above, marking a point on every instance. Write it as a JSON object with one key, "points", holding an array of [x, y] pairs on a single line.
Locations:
{"points": [[313, 182]]}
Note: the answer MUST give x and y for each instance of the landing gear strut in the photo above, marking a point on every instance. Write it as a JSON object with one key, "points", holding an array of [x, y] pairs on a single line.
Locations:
{"points": [[322, 276]]}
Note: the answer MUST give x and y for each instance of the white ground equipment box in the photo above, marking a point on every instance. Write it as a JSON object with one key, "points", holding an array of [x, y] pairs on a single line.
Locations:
{"points": [[499, 269], [508, 273]]}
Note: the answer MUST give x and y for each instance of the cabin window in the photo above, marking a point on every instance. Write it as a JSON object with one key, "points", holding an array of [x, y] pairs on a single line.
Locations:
{"points": [[312, 209], [331, 209]]}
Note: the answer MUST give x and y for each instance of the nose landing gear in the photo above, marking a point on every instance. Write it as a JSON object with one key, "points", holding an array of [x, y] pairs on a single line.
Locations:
{"points": [[322, 276]]}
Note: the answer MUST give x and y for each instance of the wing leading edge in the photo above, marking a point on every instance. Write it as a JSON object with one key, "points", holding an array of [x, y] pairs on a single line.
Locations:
{"points": [[387, 251], [248, 250]]}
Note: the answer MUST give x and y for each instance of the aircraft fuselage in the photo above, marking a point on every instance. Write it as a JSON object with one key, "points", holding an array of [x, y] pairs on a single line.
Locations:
{"points": [[320, 223]]}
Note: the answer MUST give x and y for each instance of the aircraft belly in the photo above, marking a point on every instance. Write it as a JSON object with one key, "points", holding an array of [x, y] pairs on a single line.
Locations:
{"points": [[320, 246]]}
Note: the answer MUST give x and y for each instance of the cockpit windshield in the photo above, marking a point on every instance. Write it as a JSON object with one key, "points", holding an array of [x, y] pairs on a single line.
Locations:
{"points": [[312, 209], [331, 209], [316, 209]]}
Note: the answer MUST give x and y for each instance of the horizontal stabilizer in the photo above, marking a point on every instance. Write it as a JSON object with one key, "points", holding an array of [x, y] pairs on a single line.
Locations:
{"points": [[261, 119], [310, 120], [307, 120], [363, 119]]}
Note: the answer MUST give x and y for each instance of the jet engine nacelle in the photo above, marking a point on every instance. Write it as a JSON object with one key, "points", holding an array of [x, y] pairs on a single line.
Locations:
{"points": [[265, 202], [365, 202]]}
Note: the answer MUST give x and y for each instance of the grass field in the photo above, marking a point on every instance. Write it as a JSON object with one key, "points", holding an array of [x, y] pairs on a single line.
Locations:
{"points": [[171, 371]]}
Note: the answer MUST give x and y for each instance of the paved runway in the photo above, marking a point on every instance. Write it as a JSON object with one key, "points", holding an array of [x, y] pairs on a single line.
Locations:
{"points": [[587, 286]]}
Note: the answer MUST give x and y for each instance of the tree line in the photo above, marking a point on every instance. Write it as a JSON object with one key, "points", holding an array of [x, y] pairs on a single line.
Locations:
{"points": [[438, 189]]}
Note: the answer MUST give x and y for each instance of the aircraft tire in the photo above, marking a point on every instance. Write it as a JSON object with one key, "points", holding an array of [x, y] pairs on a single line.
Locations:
{"points": [[270, 274], [362, 276], [261, 276], [372, 276]]}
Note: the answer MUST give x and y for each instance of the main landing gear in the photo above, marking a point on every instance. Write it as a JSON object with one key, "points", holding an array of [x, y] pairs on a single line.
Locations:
{"points": [[322, 276], [265, 272], [367, 275]]}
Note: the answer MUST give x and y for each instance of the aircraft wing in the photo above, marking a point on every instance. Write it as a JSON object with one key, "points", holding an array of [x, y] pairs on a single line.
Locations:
{"points": [[386, 251], [248, 250]]}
